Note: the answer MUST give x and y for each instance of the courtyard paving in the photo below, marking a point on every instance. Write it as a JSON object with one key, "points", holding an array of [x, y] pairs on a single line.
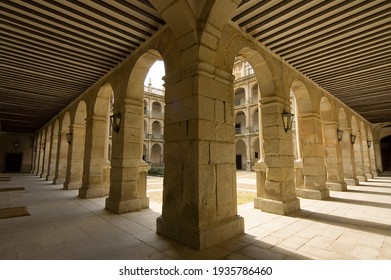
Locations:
{"points": [[350, 225]]}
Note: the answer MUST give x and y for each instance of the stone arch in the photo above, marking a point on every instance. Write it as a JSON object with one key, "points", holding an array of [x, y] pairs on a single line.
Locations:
{"points": [[333, 152], [303, 98], [310, 144], [75, 158], [240, 96], [62, 154], [156, 129], [342, 119], [96, 171], [156, 155], [358, 151], [241, 154], [365, 151], [128, 186], [349, 165], [240, 122], [275, 192], [52, 160], [46, 151]]}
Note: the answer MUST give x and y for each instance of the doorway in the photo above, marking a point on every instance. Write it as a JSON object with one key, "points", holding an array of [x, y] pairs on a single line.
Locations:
{"points": [[13, 162], [239, 162]]}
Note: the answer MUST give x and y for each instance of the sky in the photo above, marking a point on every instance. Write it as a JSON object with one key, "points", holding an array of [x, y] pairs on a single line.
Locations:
{"points": [[156, 72]]}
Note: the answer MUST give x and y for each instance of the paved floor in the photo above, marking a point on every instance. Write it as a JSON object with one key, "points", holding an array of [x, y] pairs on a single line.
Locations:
{"points": [[350, 225]]}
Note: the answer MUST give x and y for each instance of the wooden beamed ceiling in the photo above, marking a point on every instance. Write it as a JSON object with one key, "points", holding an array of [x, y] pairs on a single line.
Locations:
{"points": [[51, 51]]}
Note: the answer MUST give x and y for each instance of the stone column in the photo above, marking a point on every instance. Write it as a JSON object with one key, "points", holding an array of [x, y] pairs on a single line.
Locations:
{"points": [[45, 157], [314, 170], [366, 161], [248, 153], [75, 162], [199, 194], [36, 154], [348, 158], [52, 157], [333, 158], [128, 185], [372, 160], [94, 155], [39, 156], [275, 171], [358, 154], [62, 156]]}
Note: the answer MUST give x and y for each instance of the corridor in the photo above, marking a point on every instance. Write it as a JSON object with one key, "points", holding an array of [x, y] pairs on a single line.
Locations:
{"points": [[355, 224]]}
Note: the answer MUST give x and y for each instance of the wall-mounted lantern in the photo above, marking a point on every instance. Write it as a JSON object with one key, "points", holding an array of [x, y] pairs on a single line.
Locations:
{"points": [[116, 121], [287, 120], [339, 135], [15, 144], [69, 137], [352, 138], [369, 143]]}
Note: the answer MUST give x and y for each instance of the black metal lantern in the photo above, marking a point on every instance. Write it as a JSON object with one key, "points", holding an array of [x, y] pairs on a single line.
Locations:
{"points": [[287, 120], [339, 135], [116, 121], [352, 138], [69, 137]]}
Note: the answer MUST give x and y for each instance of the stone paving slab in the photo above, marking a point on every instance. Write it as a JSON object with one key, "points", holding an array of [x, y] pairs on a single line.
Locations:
{"points": [[350, 225]]}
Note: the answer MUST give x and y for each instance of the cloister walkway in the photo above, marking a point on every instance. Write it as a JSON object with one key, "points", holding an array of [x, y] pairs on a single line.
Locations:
{"points": [[350, 225]]}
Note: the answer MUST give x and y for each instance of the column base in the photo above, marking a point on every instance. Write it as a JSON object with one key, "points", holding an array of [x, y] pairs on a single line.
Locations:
{"points": [[91, 193], [341, 187], [362, 178], [313, 194], [276, 207], [72, 185], [369, 176], [201, 238], [49, 178], [351, 182], [58, 181], [133, 205], [374, 174]]}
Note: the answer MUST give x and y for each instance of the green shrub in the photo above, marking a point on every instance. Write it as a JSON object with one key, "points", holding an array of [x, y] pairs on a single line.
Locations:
{"points": [[156, 171]]}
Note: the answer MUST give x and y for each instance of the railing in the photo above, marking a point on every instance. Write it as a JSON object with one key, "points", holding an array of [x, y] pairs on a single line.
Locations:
{"points": [[153, 90], [245, 131], [242, 101]]}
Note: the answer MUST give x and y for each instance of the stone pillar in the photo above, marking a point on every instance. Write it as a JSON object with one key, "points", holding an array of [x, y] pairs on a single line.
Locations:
{"points": [[62, 156], [39, 156], [199, 194], [128, 184], [275, 171], [314, 170], [373, 160], [366, 161], [36, 153], [348, 158], [45, 157], [358, 154], [74, 172], [333, 158], [248, 153], [94, 155], [52, 157]]}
